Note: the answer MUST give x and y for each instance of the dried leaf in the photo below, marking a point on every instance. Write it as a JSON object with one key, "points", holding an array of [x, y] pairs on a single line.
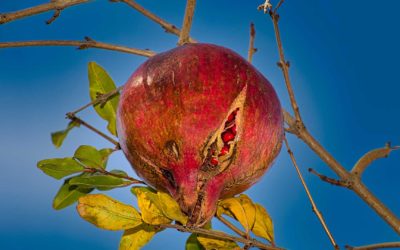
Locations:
{"points": [[107, 213], [101, 83], [136, 238]]}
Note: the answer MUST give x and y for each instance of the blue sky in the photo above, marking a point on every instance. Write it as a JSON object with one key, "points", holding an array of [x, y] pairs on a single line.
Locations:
{"points": [[344, 68]]}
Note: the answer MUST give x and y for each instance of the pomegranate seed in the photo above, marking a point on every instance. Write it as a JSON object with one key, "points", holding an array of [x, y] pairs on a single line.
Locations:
{"points": [[214, 161], [224, 150], [227, 136], [233, 129]]}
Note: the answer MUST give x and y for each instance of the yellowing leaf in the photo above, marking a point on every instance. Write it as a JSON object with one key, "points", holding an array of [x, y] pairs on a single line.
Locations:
{"points": [[101, 83], [58, 137], [136, 238], [263, 226], [60, 167], [240, 208], [150, 207], [69, 194], [107, 213], [192, 243], [210, 243], [170, 208]]}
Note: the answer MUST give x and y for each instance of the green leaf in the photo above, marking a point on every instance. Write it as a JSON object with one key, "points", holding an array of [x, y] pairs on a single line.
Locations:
{"points": [[210, 243], [192, 243], [107, 213], [91, 157], [149, 205], [101, 83], [60, 167], [99, 181], [136, 238], [58, 137], [240, 208], [263, 226], [69, 194]]}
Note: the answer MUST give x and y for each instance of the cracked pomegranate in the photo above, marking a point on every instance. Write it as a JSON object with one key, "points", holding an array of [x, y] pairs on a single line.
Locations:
{"points": [[201, 123]]}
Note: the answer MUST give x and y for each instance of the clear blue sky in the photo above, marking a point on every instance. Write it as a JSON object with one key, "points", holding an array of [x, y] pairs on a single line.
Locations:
{"points": [[345, 64]]}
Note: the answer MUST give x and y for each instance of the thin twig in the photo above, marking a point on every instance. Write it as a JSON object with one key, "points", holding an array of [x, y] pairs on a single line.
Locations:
{"points": [[314, 206], [72, 117], [252, 50], [102, 99], [56, 5], [284, 65], [168, 27], [87, 43], [232, 227], [220, 235], [376, 246], [329, 180], [187, 22]]}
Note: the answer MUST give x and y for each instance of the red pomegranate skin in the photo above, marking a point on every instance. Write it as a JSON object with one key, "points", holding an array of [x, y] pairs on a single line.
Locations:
{"points": [[184, 110]]}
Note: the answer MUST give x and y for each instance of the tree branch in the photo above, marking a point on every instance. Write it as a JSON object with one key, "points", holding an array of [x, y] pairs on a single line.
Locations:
{"points": [[232, 227], [105, 172], [284, 65], [252, 50], [220, 235], [296, 126], [375, 246], [371, 156], [187, 22], [329, 180], [168, 27], [56, 5], [314, 206], [87, 43]]}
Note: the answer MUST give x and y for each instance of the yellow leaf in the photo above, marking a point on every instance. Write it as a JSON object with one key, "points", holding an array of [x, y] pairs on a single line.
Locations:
{"points": [[136, 238], [240, 208], [107, 213], [170, 208], [150, 207], [263, 226], [210, 243]]}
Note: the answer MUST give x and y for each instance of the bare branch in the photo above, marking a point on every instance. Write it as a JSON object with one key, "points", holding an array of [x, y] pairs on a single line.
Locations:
{"points": [[284, 65], [87, 43], [72, 117], [168, 27], [56, 5], [314, 206], [371, 156], [252, 50], [187, 22], [232, 227], [375, 246], [329, 180], [297, 127], [220, 235]]}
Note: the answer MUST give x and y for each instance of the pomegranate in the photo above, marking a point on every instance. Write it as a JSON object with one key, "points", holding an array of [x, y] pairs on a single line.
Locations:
{"points": [[201, 123]]}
